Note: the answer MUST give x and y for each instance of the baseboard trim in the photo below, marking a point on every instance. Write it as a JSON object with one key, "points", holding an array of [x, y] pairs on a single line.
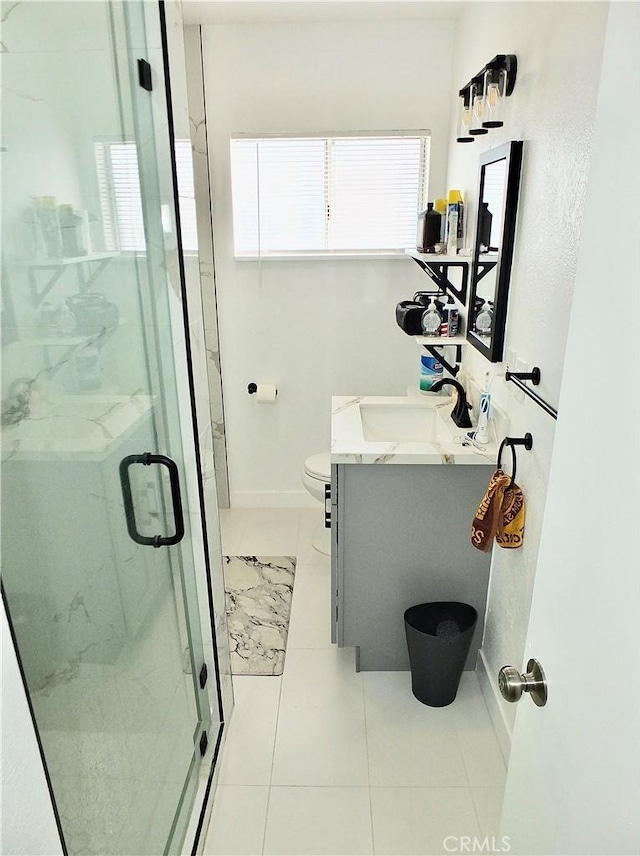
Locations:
{"points": [[273, 499], [494, 702]]}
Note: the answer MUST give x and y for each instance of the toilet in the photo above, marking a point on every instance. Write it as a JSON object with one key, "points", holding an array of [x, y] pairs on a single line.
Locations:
{"points": [[317, 474]]}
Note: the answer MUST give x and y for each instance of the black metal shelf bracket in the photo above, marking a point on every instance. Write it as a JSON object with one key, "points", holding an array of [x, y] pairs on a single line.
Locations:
{"points": [[483, 269], [453, 370], [437, 271], [534, 376]]}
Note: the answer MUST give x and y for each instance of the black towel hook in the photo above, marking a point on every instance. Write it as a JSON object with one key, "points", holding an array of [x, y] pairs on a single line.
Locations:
{"points": [[512, 442]]}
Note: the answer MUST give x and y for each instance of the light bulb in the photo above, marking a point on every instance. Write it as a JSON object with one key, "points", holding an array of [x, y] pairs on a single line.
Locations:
{"points": [[477, 102], [464, 118], [494, 87]]}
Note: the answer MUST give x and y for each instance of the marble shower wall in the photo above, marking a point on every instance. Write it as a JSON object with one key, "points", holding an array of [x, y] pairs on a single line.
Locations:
{"points": [[198, 132], [206, 377]]}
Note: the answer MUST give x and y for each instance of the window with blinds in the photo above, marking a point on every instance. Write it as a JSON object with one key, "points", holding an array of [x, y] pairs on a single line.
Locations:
{"points": [[327, 195], [121, 201]]}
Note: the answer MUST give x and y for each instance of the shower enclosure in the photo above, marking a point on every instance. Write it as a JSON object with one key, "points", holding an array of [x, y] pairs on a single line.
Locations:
{"points": [[100, 524]]}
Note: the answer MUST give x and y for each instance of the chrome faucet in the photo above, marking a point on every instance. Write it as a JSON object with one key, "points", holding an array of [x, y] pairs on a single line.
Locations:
{"points": [[460, 412]]}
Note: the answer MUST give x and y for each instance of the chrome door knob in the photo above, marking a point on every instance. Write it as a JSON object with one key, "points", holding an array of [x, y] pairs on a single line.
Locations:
{"points": [[512, 684]]}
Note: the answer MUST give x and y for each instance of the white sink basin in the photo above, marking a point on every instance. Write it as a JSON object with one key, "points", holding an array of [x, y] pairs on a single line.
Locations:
{"points": [[410, 429], [400, 423]]}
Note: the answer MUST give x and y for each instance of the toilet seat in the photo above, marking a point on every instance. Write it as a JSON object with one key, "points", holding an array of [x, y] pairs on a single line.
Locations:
{"points": [[319, 466]]}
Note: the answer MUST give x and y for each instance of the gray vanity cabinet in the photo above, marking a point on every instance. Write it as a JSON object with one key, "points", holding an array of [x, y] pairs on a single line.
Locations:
{"points": [[401, 536]]}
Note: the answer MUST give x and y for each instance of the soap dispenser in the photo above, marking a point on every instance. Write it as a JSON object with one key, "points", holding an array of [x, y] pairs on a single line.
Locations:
{"points": [[484, 320], [431, 320]]}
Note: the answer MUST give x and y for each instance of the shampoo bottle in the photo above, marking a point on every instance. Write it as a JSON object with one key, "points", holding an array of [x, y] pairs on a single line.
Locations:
{"points": [[441, 207], [428, 230], [449, 325], [455, 231]]}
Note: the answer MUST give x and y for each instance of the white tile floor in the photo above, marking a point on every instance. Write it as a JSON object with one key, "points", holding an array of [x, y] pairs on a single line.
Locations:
{"points": [[324, 760]]}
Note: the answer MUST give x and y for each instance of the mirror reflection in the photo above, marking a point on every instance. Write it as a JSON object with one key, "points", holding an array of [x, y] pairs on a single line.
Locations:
{"points": [[493, 248]]}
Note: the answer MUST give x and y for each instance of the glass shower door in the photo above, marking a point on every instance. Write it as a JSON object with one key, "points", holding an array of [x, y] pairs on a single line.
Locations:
{"points": [[98, 565]]}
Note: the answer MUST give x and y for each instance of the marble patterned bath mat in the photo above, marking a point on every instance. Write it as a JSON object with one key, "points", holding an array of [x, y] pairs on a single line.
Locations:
{"points": [[259, 590]]}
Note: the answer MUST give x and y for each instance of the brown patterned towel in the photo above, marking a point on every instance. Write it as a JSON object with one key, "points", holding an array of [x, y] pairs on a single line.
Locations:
{"points": [[485, 523], [511, 519]]}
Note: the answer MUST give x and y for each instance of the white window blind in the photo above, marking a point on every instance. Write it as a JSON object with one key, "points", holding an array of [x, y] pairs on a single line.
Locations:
{"points": [[338, 194], [121, 201]]}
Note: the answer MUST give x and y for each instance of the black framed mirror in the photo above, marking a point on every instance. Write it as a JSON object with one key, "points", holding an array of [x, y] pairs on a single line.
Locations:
{"points": [[499, 183]]}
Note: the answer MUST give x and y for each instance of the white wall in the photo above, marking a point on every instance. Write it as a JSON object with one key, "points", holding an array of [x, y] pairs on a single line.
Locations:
{"points": [[316, 328], [559, 50]]}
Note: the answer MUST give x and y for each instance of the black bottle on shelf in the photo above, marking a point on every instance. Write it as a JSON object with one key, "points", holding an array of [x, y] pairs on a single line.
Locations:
{"points": [[428, 229]]}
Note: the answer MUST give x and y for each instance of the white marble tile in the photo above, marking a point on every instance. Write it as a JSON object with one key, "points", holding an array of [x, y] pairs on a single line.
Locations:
{"points": [[482, 758], [320, 821], [321, 728], [248, 752], [488, 803], [469, 710], [237, 821], [310, 520], [310, 625], [409, 744], [270, 532], [409, 821], [233, 523]]}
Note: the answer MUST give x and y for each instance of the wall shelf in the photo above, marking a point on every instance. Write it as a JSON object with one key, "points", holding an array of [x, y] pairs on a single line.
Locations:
{"points": [[57, 267], [438, 268], [439, 341], [430, 343]]}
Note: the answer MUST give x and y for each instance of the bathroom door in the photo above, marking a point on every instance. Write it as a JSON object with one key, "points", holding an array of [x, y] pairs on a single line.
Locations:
{"points": [[574, 775], [99, 544]]}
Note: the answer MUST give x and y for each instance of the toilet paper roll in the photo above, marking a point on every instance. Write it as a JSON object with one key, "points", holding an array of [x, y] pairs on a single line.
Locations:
{"points": [[266, 393]]}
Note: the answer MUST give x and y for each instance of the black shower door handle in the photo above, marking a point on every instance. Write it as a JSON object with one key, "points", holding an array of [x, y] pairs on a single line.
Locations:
{"points": [[148, 458]]}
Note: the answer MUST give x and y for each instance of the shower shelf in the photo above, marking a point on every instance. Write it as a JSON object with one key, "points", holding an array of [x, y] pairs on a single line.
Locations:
{"points": [[71, 343], [53, 341], [57, 268]]}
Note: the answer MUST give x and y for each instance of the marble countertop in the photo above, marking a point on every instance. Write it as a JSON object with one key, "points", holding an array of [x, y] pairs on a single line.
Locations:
{"points": [[76, 427], [442, 446]]}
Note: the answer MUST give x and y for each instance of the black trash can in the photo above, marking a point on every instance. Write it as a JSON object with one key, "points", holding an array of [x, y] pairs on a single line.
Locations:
{"points": [[438, 637]]}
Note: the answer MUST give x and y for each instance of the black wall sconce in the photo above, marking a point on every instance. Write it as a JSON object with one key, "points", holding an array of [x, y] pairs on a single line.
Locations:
{"points": [[482, 99]]}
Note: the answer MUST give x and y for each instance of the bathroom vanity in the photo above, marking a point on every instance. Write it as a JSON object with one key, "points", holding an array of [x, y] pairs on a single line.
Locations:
{"points": [[404, 491]]}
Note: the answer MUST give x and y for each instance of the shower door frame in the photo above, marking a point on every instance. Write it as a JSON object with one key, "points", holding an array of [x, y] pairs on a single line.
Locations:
{"points": [[203, 785]]}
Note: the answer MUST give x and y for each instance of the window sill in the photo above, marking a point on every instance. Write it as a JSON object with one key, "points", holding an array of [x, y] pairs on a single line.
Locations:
{"points": [[362, 255]]}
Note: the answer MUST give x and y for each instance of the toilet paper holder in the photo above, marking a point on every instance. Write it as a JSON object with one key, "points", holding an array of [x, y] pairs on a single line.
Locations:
{"points": [[252, 388]]}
